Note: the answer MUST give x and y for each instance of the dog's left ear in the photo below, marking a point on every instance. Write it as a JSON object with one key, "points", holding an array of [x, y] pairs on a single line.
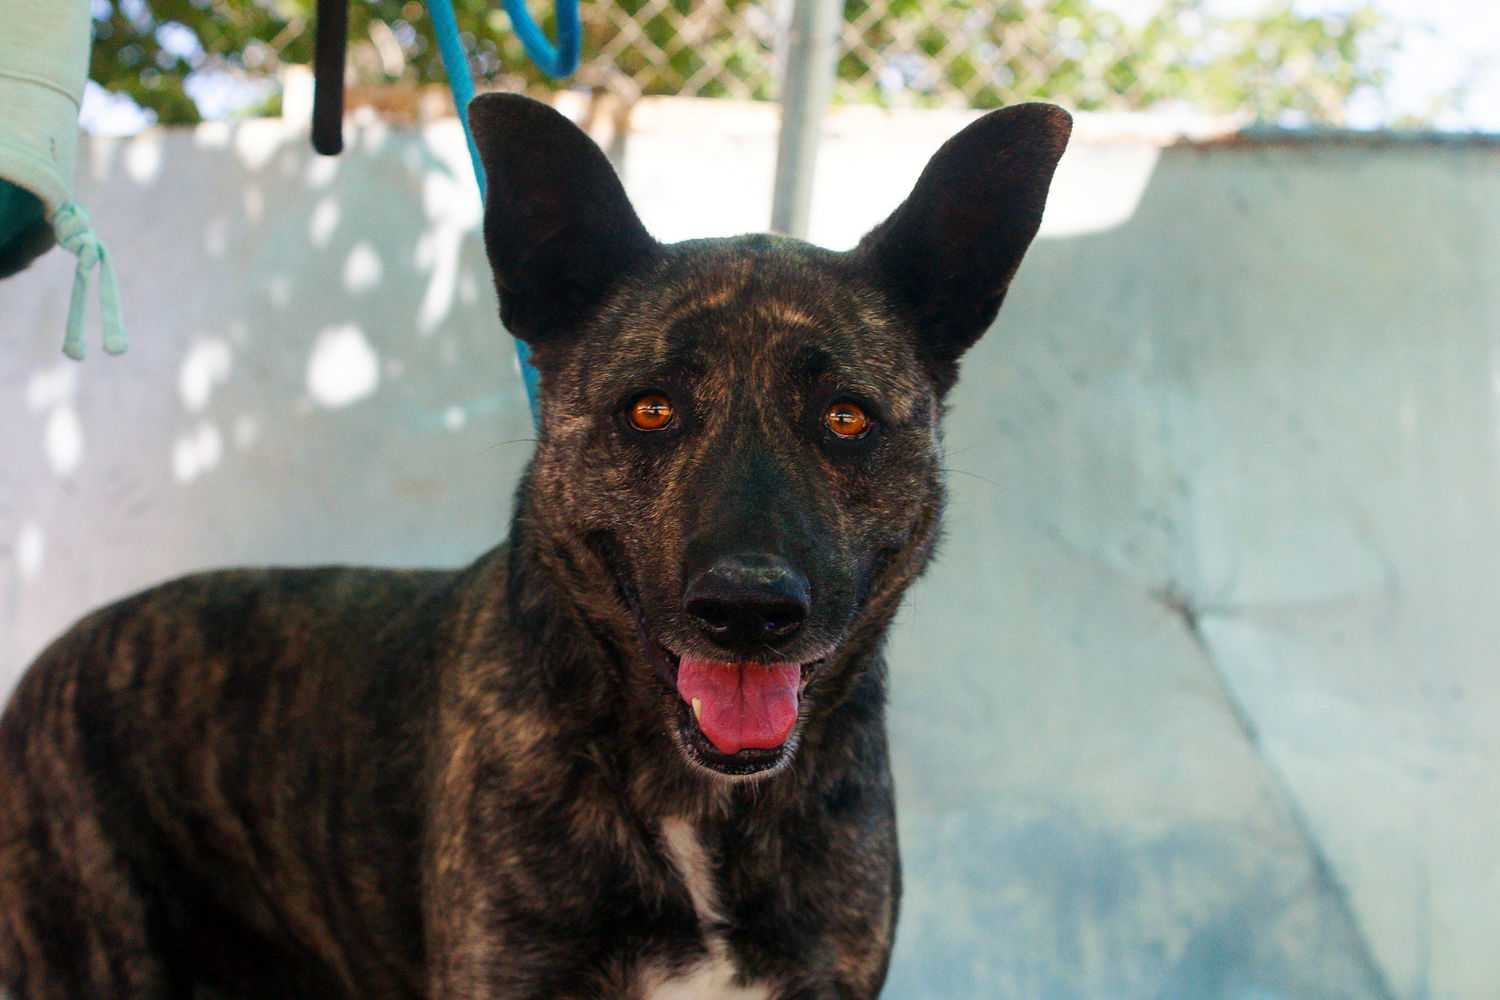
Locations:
{"points": [[558, 227], [946, 256]]}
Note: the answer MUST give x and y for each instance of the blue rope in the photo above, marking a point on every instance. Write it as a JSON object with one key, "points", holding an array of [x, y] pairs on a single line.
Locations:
{"points": [[456, 65], [554, 62], [559, 61]]}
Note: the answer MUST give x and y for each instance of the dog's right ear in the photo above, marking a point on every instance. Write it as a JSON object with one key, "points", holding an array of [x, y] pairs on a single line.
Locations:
{"points": [[946, 256], [558, 228]]}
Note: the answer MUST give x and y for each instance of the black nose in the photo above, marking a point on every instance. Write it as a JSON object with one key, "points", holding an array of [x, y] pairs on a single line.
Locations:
{"points": [[748, 601]]}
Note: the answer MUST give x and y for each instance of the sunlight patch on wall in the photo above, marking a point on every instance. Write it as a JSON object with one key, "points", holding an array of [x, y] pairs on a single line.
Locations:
{"points": [[143, 158], [321, 170], [362, 271], [212, 135], [373, 133], [1079, 204], [205, 368], [52, 386], [255, 142], [53, 390], [64, 440], [31, 550], [197, 452], [437, 253], [343, 367], [451, 203], [451, 198], [325, 219]]}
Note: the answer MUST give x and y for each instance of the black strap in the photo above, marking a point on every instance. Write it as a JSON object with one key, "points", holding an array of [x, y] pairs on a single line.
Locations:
{"points": [[331, 39]]}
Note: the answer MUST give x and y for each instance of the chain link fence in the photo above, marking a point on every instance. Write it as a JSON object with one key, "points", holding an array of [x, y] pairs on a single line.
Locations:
{"points": [[973, 53], [981, 55], [893, 52], [1272, 60], [691, 48]]}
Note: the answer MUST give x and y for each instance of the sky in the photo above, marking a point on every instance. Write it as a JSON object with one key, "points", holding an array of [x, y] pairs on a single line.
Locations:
{"points": [[1449, 40], [1443, 43]]}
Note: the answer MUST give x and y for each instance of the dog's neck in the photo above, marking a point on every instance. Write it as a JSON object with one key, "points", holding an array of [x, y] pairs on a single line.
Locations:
{"points": [[570, 660]]}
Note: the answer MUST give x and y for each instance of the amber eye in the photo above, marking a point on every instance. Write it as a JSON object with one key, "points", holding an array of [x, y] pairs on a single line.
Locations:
{"points": [[651, 412], [847, 420]]}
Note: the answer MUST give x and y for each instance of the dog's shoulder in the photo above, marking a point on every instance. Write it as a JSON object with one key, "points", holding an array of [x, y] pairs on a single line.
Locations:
{"points": [[218, 610], [211, 640]]}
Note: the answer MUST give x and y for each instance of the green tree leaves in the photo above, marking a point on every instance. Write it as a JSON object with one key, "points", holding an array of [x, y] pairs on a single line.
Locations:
{"points": [[1276, 65]]}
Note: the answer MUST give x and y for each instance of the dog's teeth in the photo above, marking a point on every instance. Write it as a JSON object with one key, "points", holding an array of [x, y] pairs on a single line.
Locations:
{"points": [[698, 708]]}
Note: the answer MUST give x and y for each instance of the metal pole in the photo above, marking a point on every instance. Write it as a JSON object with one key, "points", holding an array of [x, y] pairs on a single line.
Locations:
{"points": [[330, 39], [811, 47]]}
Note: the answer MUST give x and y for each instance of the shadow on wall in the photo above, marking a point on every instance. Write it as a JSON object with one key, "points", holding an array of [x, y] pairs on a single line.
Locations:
{"points": [[1194, 702], [317, 373], [1191, 707]]}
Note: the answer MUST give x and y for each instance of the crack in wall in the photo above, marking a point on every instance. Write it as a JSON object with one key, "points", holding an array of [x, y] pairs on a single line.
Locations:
{"points": [[1326, 877]]}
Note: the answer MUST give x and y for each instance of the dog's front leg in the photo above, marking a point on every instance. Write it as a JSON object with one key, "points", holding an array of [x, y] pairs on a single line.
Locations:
{"points": [[529, 892], [487, 943], [480, 943]]}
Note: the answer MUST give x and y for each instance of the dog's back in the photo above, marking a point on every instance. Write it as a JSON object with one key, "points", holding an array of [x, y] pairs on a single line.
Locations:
{"points": [[250, 739]]}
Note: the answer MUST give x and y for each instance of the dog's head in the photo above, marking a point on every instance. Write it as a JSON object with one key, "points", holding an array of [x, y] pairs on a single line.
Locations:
{"points": [[738, 469]]}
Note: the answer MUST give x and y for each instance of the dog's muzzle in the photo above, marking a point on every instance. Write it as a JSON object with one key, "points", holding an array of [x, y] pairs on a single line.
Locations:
{"points": [[735, 713]]}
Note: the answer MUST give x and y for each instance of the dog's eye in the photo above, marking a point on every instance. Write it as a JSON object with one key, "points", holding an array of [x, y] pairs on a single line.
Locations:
{"points": [[651, 412], [847, 420]]}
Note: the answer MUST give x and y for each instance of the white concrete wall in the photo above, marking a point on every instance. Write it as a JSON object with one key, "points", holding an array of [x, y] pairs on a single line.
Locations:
{"points": [[1199, 701]]}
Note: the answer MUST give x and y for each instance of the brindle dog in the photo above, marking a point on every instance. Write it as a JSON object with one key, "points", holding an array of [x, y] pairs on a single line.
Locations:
{"points": [[636, 752]]}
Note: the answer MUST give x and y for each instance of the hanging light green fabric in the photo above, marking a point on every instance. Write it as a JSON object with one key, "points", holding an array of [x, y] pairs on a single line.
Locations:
{"points": [[44, 59]]}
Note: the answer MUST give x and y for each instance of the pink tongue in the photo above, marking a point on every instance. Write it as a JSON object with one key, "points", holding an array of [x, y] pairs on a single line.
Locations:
{"points": [[741, 705]]}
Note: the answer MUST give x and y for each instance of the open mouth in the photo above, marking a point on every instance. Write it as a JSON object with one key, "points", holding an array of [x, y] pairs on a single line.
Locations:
{"points": [[734, 718]]}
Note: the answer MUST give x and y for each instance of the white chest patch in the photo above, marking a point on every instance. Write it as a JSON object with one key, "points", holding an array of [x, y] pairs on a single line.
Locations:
{"points": [[713, 978]]}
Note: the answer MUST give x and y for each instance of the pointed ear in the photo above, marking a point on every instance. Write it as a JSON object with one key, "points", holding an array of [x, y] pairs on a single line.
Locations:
{"points": [[558, 228], [946, 256]]}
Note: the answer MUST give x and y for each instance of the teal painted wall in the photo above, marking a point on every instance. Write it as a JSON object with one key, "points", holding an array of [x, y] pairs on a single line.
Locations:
{"points": [[1198, 702]]}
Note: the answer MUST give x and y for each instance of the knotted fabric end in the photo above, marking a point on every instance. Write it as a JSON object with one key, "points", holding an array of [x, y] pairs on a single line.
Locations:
{"points": [[71, 224]]}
